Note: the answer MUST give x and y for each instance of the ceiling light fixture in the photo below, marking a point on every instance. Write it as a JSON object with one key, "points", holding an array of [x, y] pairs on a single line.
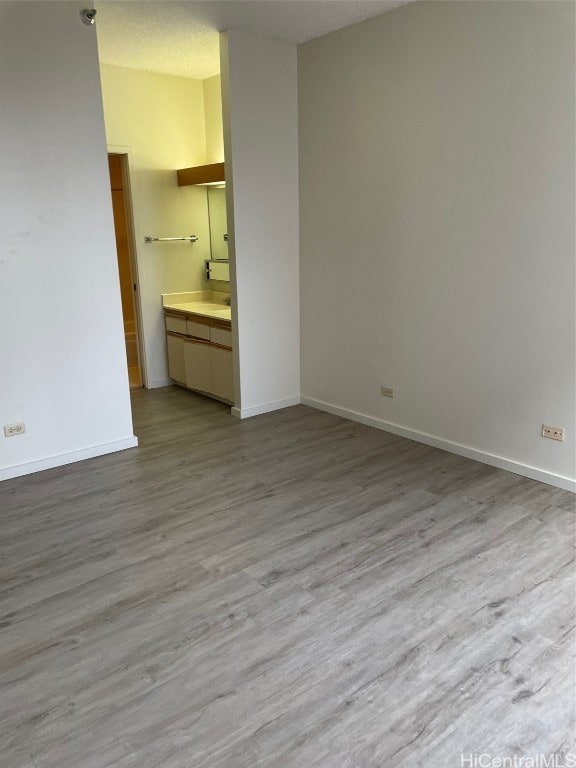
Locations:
{"points": [[88, 16]]}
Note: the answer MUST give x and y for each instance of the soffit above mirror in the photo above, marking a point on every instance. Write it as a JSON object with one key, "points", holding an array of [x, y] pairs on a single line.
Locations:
{"points": [[201, 174]]}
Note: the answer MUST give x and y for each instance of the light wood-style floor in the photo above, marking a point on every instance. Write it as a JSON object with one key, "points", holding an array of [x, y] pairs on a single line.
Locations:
{"points": [[291, 591]]}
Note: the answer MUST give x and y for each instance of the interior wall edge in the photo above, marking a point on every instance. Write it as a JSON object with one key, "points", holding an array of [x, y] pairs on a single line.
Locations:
{"points": [[158, 383], [274, 405]]}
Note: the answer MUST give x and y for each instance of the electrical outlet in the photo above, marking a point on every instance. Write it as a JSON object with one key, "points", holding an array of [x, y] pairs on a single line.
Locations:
{"points": [[387, 391], [553, 433], [10, 430]]}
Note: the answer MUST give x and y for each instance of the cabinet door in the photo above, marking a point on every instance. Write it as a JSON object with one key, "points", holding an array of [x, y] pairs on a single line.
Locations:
{"points": [[197, 365], [176, 367], [222, 377]]}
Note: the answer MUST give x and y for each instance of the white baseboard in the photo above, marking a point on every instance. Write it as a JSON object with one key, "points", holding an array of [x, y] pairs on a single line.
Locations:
{"points": [[156, 383], [17, 470], [559, 481], [257, 410]]}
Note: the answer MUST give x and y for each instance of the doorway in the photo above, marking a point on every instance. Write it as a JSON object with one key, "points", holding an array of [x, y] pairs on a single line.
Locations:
{"points": [[117, 166]]}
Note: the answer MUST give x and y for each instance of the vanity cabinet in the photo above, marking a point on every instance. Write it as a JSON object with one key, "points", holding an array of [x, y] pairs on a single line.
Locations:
{"points": [[200, 355]]}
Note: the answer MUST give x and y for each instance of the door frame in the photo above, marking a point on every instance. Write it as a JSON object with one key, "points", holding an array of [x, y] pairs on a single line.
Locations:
{"points": [[127, 154]]}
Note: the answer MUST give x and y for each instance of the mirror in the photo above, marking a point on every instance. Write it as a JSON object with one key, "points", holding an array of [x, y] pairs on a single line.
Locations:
{"points": [[218, 223]]}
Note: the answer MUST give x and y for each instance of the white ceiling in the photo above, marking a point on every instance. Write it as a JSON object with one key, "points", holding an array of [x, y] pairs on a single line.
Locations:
{"points": [[180, 37]]}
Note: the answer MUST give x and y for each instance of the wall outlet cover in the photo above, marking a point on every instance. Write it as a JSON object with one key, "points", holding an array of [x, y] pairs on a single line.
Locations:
{"points": [[10, 430], [553, 433], [387, 391]]}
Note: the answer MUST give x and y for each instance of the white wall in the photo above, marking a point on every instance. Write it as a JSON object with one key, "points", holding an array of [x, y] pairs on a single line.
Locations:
{"points": [[160, 119], [259, 93], [437, 227], [62, 358]]}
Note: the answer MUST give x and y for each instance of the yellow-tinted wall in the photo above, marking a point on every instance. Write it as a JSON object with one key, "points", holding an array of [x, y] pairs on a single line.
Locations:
{"points": [[159, 120], [213, 120]]}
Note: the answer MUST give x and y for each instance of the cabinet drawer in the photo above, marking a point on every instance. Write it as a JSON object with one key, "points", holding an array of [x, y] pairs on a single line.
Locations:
{"points": [[175, 324], [198, 330], [221, 336]]}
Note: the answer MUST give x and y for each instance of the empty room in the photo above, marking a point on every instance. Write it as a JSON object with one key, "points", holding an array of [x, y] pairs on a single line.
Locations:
{"points": [[287, 384]]}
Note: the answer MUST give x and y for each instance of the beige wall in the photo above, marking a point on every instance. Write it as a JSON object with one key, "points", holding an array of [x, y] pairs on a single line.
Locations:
{"points": [[437, 227], [159, 119]]}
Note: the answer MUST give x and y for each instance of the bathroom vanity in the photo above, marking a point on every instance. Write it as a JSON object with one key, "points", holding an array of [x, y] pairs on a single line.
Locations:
{"points": [[199, 342]]}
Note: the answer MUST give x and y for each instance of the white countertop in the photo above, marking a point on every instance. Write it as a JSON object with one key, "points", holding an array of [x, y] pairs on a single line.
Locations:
{"points": [[204, 308], [203, 303]]}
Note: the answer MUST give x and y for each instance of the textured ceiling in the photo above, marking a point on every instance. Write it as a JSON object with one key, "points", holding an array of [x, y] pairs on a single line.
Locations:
{"points": [[181, 37]]}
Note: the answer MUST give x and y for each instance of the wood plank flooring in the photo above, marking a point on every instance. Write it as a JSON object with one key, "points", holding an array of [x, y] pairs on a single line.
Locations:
{"points": [[291, 591]]}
